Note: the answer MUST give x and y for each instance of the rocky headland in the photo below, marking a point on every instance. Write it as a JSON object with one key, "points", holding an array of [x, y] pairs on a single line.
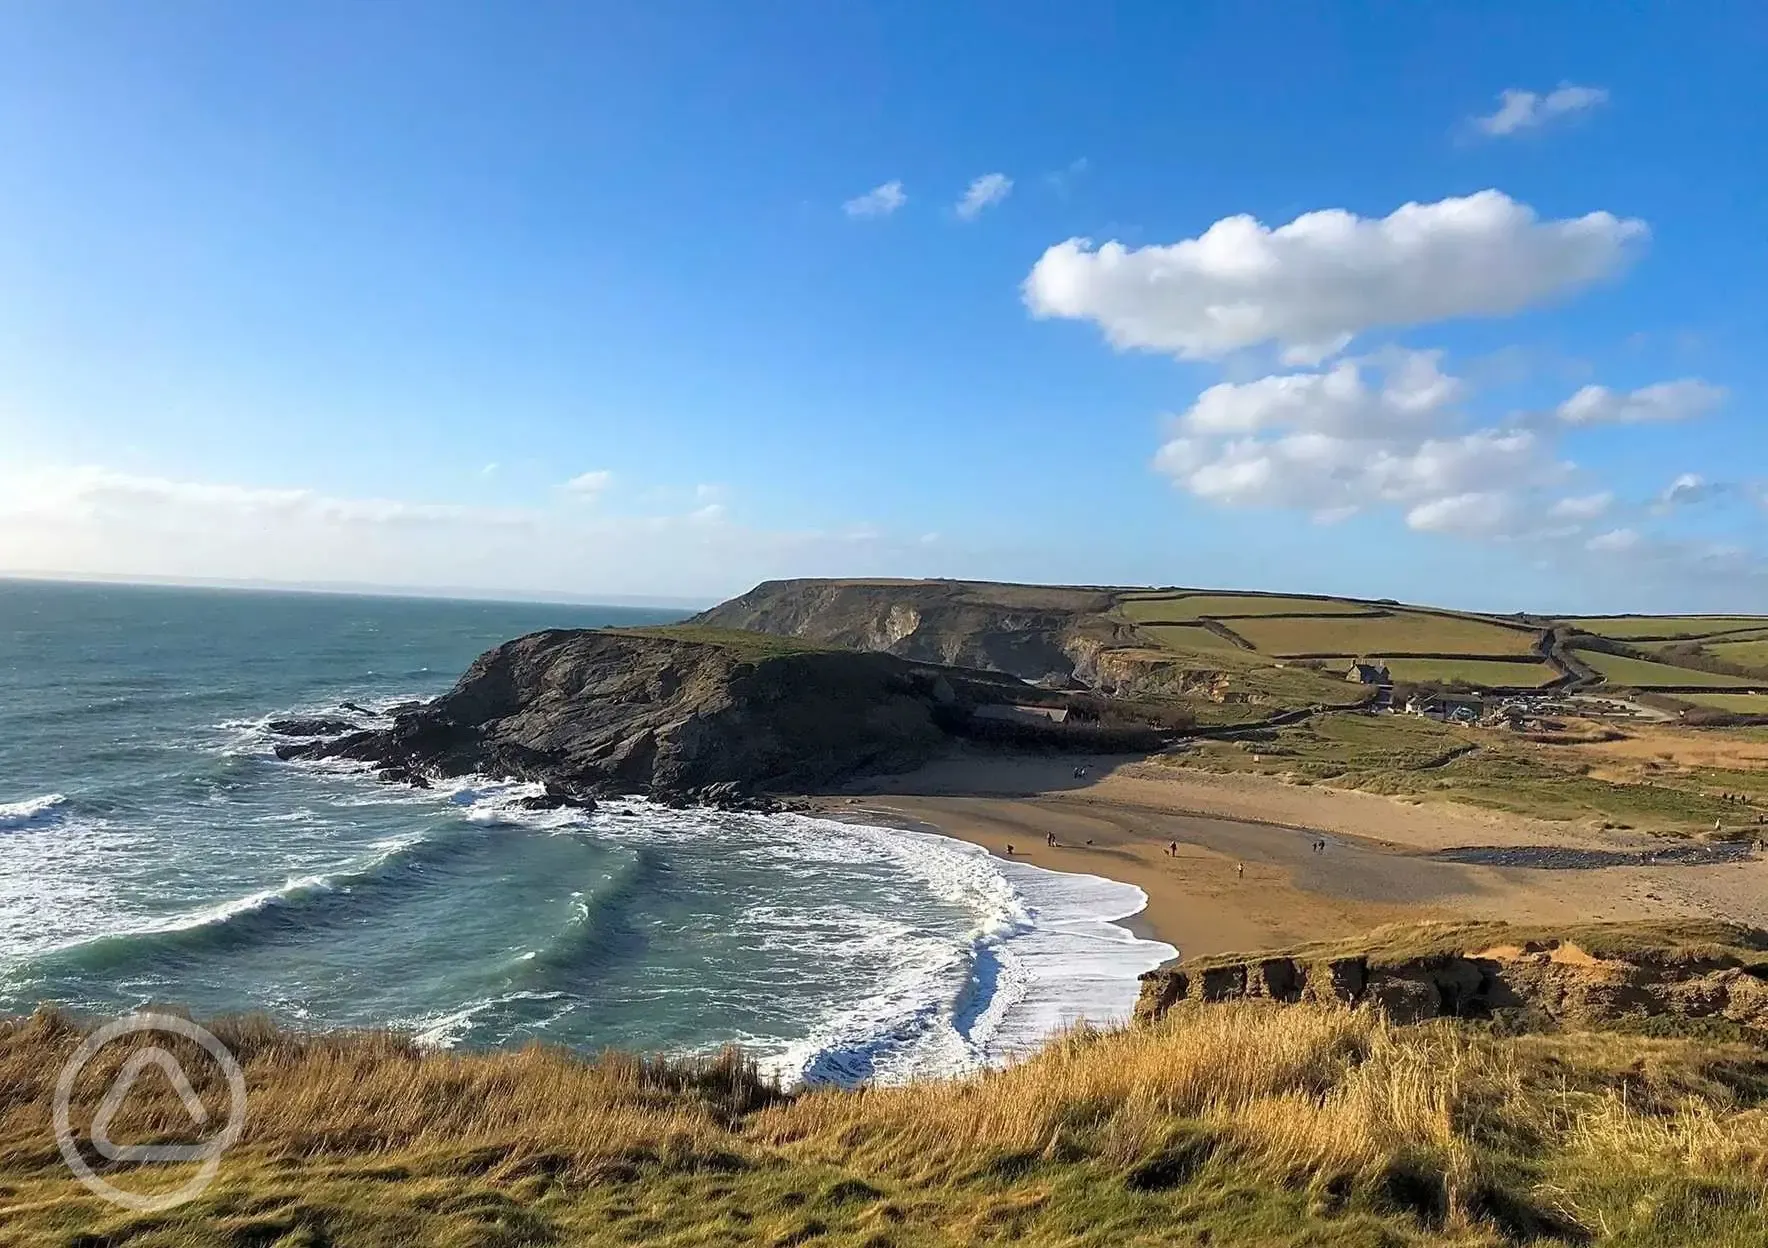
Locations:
{"points": [[696, 714]]}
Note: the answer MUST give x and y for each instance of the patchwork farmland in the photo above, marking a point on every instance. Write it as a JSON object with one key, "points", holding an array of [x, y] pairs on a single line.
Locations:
{"points": [[1664, 656], [1331, 634]]}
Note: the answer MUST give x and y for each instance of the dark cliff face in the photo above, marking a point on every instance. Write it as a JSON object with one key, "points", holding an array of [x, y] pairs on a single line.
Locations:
{"points": [[609, 711], [1035, 632]]}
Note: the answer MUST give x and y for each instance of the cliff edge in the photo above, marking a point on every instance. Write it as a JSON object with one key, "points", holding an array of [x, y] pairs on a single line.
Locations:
{"points": [[1588, 975], [1044, 633], [699, 713]]}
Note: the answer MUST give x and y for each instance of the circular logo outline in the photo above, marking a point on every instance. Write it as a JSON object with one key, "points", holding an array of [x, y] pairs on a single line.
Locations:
{"points": [[208, 1153]]}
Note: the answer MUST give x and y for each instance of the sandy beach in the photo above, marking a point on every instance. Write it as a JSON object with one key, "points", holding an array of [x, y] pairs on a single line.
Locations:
{"points": [[1383, 860]]}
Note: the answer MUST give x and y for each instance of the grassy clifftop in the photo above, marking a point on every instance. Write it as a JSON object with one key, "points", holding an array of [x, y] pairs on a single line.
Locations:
{"points": [[1236, 1124]]}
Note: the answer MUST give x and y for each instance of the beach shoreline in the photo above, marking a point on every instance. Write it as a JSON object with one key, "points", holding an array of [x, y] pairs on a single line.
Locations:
{"points": [[1381, 861]]}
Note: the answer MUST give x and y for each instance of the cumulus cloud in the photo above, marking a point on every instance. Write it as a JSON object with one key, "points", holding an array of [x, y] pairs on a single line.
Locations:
{"points": [[880, 201], [1316, 283], [1582, 507], [1615, 541], [1339, 442], [590, 484], [1520, 110], [1666, 401], [1324, 473], [1414, 395], [1475, 512], [989, 189]]}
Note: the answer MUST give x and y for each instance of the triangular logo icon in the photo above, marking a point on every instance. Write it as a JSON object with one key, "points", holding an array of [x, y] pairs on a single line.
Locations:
{"points": [[119, 1092]]}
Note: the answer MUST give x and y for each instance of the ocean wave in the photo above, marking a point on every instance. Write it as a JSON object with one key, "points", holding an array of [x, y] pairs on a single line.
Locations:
{"points": [[1045, 952], [33, 811], [596, 931], [292, 908]]}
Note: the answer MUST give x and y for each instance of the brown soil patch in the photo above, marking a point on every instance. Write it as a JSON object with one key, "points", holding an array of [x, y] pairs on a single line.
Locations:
{"points": [[1681, 748], [1570, 955]]}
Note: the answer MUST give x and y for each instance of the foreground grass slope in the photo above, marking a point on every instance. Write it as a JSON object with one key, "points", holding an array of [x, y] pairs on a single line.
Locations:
{"points": [[1219, 1125]]}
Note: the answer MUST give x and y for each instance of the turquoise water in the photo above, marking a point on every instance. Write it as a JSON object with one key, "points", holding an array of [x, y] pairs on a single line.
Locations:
{"points": [[152, 849]]}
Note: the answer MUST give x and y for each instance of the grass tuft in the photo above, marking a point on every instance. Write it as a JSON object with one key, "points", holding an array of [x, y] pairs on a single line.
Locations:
{"points": [[1233, 1124]]}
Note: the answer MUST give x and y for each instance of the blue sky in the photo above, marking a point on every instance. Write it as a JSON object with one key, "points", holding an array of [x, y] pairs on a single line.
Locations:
{"points": [[342, 293]]}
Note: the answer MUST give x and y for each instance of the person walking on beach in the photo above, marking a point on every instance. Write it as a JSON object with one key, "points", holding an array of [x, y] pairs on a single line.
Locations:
{"points": [[1240, 870], [1009, 849], [1172, 849], [1050, 839]]}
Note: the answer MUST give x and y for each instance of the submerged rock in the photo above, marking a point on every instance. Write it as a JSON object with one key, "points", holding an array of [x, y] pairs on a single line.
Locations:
{"points": [[315, 726], [558, 797]]}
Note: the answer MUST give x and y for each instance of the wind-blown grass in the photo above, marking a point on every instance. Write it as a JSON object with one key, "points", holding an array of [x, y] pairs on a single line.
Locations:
{"points": [[1226, 1124]]}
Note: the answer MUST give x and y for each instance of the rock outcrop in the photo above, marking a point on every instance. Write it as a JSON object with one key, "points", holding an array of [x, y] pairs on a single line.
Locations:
{"points": [[1583, 976], [695, 713], [311, 726], [1042, 633]]}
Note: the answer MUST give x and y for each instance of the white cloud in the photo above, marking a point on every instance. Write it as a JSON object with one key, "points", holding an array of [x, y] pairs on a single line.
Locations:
{"points": [[489, 469], [1615, 541], [1688, 489], [880, 201], [1665, 401], [1314, 284], [92, 521], [1413, 397], [1524, 110], [1335, 443], [990, 188], [590, 484], [1480, 512], [1325, 473], [1583, 507]]}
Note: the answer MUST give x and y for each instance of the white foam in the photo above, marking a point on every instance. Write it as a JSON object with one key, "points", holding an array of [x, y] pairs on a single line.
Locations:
{"points": [[447, 1029], [253, 736], [221, 912], [33, 810], [1045, 953], [1043, 950]]}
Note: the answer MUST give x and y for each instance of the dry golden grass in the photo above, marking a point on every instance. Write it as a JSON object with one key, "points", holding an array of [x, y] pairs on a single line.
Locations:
{"points": [[1227, 1124]]}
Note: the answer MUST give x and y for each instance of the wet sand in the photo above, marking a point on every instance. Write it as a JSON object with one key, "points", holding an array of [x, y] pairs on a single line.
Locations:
{"points": [[1384, 861]]}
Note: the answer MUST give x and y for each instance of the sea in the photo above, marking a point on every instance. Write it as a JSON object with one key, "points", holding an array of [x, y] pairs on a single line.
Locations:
{"points": [[153, 851]]}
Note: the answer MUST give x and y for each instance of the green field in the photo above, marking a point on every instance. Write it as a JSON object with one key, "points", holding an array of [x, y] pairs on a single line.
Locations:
{"points": [[1741, 703], [1625, 627], [1198, 606], [1401, 633], [1186, 637], [1642, 675], [1746, 653], [1481, 673]]}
